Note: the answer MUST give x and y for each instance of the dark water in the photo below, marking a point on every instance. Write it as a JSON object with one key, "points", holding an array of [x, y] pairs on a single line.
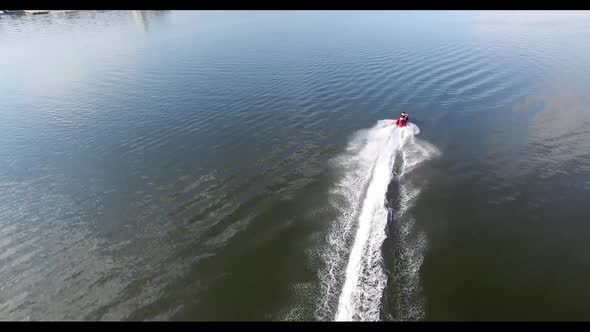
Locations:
{"points": [[225, 166]]}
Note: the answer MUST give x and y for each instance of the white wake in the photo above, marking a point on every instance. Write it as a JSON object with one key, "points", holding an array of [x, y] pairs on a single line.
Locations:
{"points": [[354, 279]]}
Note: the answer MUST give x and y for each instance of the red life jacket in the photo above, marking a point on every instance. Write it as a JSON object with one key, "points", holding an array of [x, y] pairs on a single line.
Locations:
{"points": [[402, 122]]}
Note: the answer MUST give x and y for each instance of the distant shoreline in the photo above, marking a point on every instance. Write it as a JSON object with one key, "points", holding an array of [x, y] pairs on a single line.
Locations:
{"points": [[34, 12]]}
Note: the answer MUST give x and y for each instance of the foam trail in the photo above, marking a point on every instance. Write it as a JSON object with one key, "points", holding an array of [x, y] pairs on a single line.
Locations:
{"points": [[373, 217], [361, 200], [410, 243], [357, 165], [409, 253]]}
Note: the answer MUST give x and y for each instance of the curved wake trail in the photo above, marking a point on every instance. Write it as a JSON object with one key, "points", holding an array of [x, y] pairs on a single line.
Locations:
{"points": [[354, 279]]}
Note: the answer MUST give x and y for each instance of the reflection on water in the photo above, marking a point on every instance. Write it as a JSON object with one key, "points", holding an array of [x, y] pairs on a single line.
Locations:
{"points": [[144, 17]]}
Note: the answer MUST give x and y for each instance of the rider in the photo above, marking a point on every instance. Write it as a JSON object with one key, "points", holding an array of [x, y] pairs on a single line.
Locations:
{"points": [[403, 119]]}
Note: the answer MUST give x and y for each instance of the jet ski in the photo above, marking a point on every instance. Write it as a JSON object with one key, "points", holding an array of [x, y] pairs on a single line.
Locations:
{"points": [[403, 119]]}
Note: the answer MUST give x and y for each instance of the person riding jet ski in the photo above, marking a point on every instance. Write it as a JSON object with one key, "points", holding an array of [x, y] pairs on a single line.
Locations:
{"points": [[403, 119]]}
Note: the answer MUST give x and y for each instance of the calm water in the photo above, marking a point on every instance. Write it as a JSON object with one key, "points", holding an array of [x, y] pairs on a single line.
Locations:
{"points": [[238, 166]]}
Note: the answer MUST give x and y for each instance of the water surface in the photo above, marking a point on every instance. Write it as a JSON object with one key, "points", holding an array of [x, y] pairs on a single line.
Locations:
{"points": [[167, 165]]}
